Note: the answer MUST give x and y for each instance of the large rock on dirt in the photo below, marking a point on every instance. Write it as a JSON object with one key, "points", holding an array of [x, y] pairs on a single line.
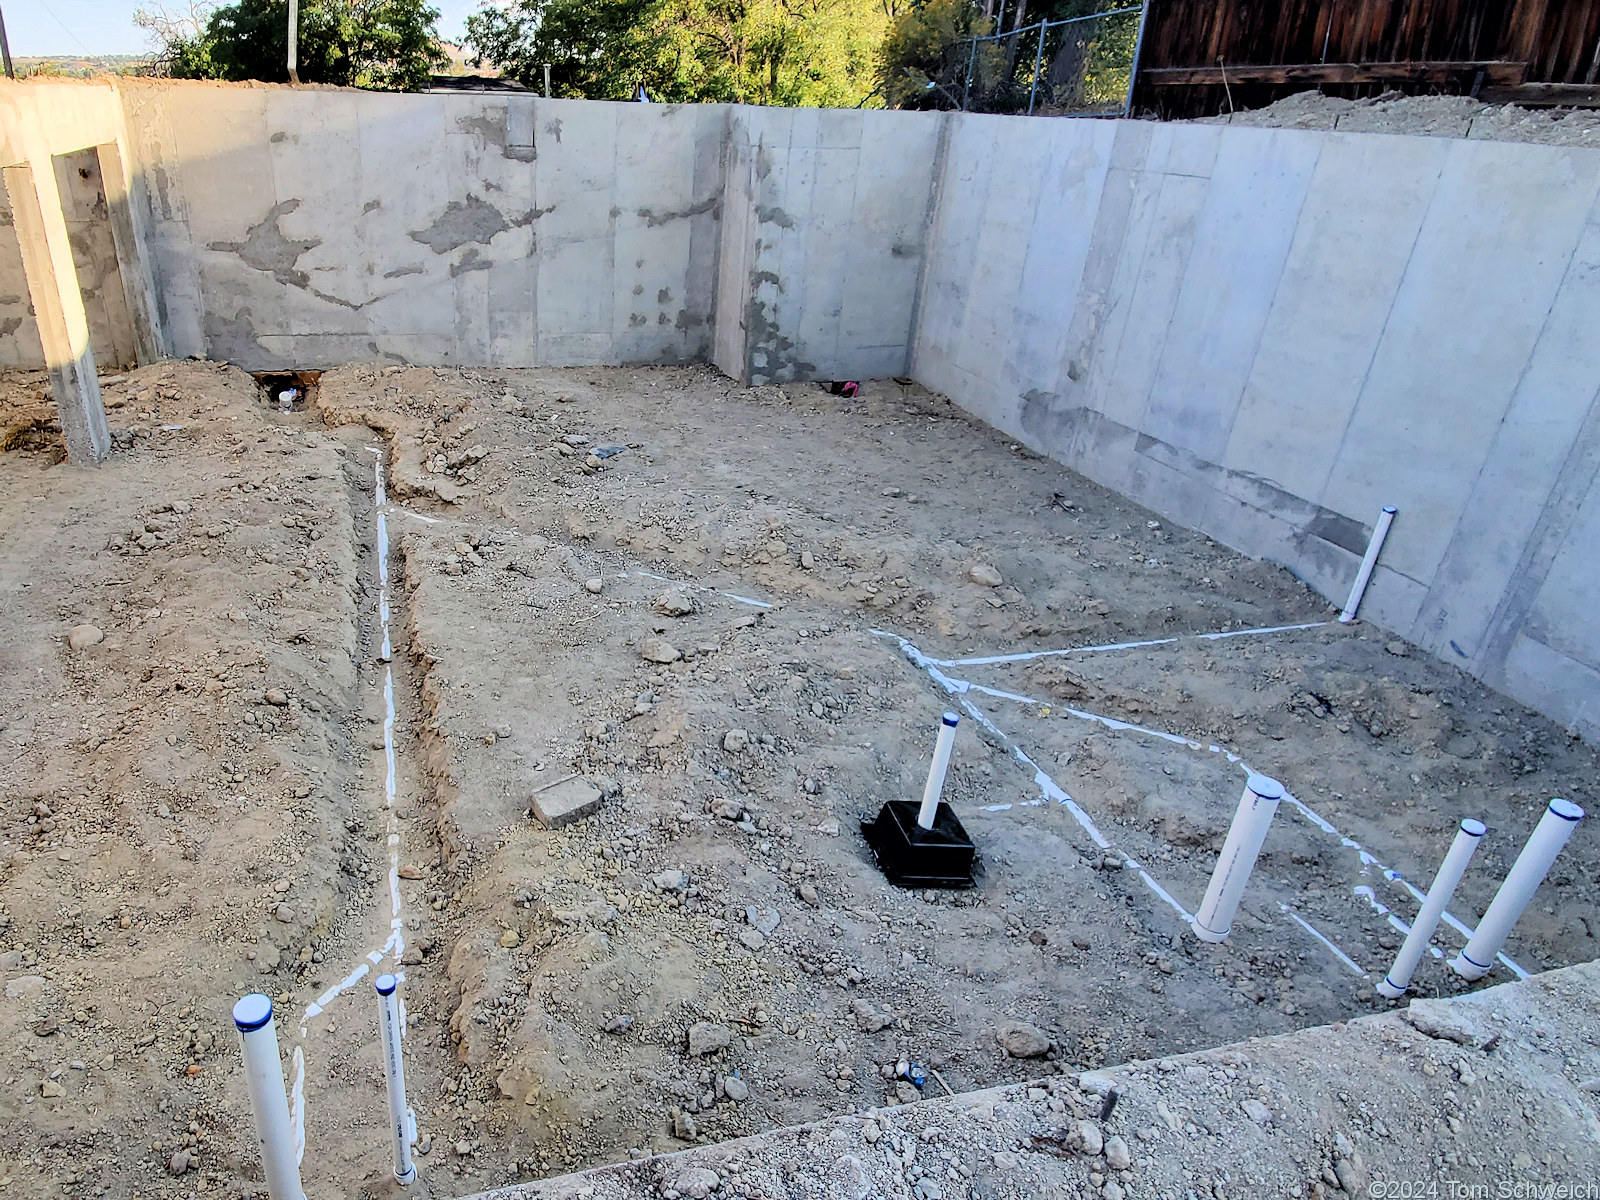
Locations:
{"points": [[984, 575], [1021, 1040], [568, 801], [706, 1037], [868, 1019], [1118, 1156], [658, 650], [675, 602], [696, 1182], [81, 637]]}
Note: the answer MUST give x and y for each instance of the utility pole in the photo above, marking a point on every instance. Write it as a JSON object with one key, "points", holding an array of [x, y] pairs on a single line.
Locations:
{"points": [[5, 48], [294, 40]]}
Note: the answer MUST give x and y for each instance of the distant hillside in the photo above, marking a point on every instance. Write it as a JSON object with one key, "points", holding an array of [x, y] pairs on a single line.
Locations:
{"points": [[82, 67]]}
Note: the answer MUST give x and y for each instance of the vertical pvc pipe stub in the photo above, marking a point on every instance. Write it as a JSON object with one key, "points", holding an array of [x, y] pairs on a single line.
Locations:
{"points": [[385, 985], [1265, 786], [1566, 810], [252, 1012]]}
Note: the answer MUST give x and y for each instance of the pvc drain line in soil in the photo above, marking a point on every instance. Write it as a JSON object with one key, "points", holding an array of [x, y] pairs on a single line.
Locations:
{"points": [[1050, 790]]}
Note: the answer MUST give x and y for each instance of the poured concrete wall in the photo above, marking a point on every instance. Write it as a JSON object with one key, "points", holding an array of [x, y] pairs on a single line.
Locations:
{"points": [[822, 242], [310, 228], [19, 332], [1268, 334]]}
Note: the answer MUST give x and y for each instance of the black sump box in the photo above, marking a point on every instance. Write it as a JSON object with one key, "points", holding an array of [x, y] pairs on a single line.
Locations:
{"points": [[913, 857]]}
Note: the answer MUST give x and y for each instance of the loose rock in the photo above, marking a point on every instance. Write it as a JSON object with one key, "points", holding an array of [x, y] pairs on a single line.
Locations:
{"points": [[658, 650], [674, 602], [1118, 1157], [868, 1019], [1022, 1040], [82, 637], [695, 1182], [706, 1037]]}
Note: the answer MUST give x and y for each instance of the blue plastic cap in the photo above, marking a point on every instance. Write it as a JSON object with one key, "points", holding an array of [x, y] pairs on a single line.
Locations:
{"points": [[385, 984], [951, 718], [252, 1012], [1566, 810], [1473, 826]]}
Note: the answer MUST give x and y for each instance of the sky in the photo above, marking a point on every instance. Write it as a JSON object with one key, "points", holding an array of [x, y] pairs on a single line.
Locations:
{"points": [[46, 28]]}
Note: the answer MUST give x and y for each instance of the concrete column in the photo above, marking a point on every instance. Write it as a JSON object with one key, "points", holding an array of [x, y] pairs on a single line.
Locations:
{"points": [[58, 307]]}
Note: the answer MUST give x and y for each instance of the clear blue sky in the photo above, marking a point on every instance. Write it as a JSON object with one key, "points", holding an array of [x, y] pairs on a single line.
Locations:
{"points": [[75, 27]]}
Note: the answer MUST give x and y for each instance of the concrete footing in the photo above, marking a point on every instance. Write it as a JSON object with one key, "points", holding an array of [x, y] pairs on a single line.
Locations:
{"points": [[1485, 1091]]}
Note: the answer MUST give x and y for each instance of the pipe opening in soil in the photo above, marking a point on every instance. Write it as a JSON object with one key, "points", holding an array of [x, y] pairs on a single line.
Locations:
{"points": [[287, 391]]}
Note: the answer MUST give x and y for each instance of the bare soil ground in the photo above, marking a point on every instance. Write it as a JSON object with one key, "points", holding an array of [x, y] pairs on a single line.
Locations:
{"points": [[1429, 116], [196, 803]]}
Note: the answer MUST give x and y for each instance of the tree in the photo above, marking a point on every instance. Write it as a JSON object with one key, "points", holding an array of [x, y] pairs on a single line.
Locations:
{"points": [[914, 62], [789, 52], [390, 45]]}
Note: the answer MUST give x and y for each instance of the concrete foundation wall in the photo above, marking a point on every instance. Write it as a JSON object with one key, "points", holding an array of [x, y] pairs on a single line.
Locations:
{"points": [[310, 228], [19, 332], [823, 241], [1269, 334]]}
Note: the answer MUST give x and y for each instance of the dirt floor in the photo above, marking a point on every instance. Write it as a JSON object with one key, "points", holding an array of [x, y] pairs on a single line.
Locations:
{"points": [[708, 613], [1430, 116]]}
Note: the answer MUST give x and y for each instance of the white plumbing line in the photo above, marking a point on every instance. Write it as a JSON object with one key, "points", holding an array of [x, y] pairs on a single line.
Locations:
{"points": [[699, 587], [1367, 859], [1321, 937], [1388, 914], [1025, 655], [297, 1106], [1049, 789], [395, 944]]}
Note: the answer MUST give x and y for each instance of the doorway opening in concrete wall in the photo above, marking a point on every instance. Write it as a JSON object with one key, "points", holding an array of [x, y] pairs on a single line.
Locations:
{"points": [[81, 182], [287, 391]]}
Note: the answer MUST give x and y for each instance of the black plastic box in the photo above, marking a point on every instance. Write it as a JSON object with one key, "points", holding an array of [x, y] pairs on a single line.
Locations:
{"points": [[913, 857]]}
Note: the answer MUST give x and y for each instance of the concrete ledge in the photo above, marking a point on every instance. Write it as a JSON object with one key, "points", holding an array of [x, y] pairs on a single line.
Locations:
{"points": [[1492, 1092]]}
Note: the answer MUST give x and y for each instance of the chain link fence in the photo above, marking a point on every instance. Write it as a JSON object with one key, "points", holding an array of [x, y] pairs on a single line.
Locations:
{"points": [[1077, 67]]}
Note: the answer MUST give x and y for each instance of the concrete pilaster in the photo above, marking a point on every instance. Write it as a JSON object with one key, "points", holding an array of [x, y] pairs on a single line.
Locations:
{"points": [[58, 308]]}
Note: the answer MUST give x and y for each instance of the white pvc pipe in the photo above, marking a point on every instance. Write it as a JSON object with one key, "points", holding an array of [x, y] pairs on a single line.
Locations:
{"points": [[1398, 979], [1524, 878], [1368, 561], [394, 1070], [1251, 820], [264, 1076], [941, 763]]}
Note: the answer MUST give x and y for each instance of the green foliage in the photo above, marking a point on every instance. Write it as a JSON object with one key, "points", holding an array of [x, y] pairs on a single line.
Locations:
{"points": [[929, 59], [789, 52], [914, 52], [390, 45]]}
